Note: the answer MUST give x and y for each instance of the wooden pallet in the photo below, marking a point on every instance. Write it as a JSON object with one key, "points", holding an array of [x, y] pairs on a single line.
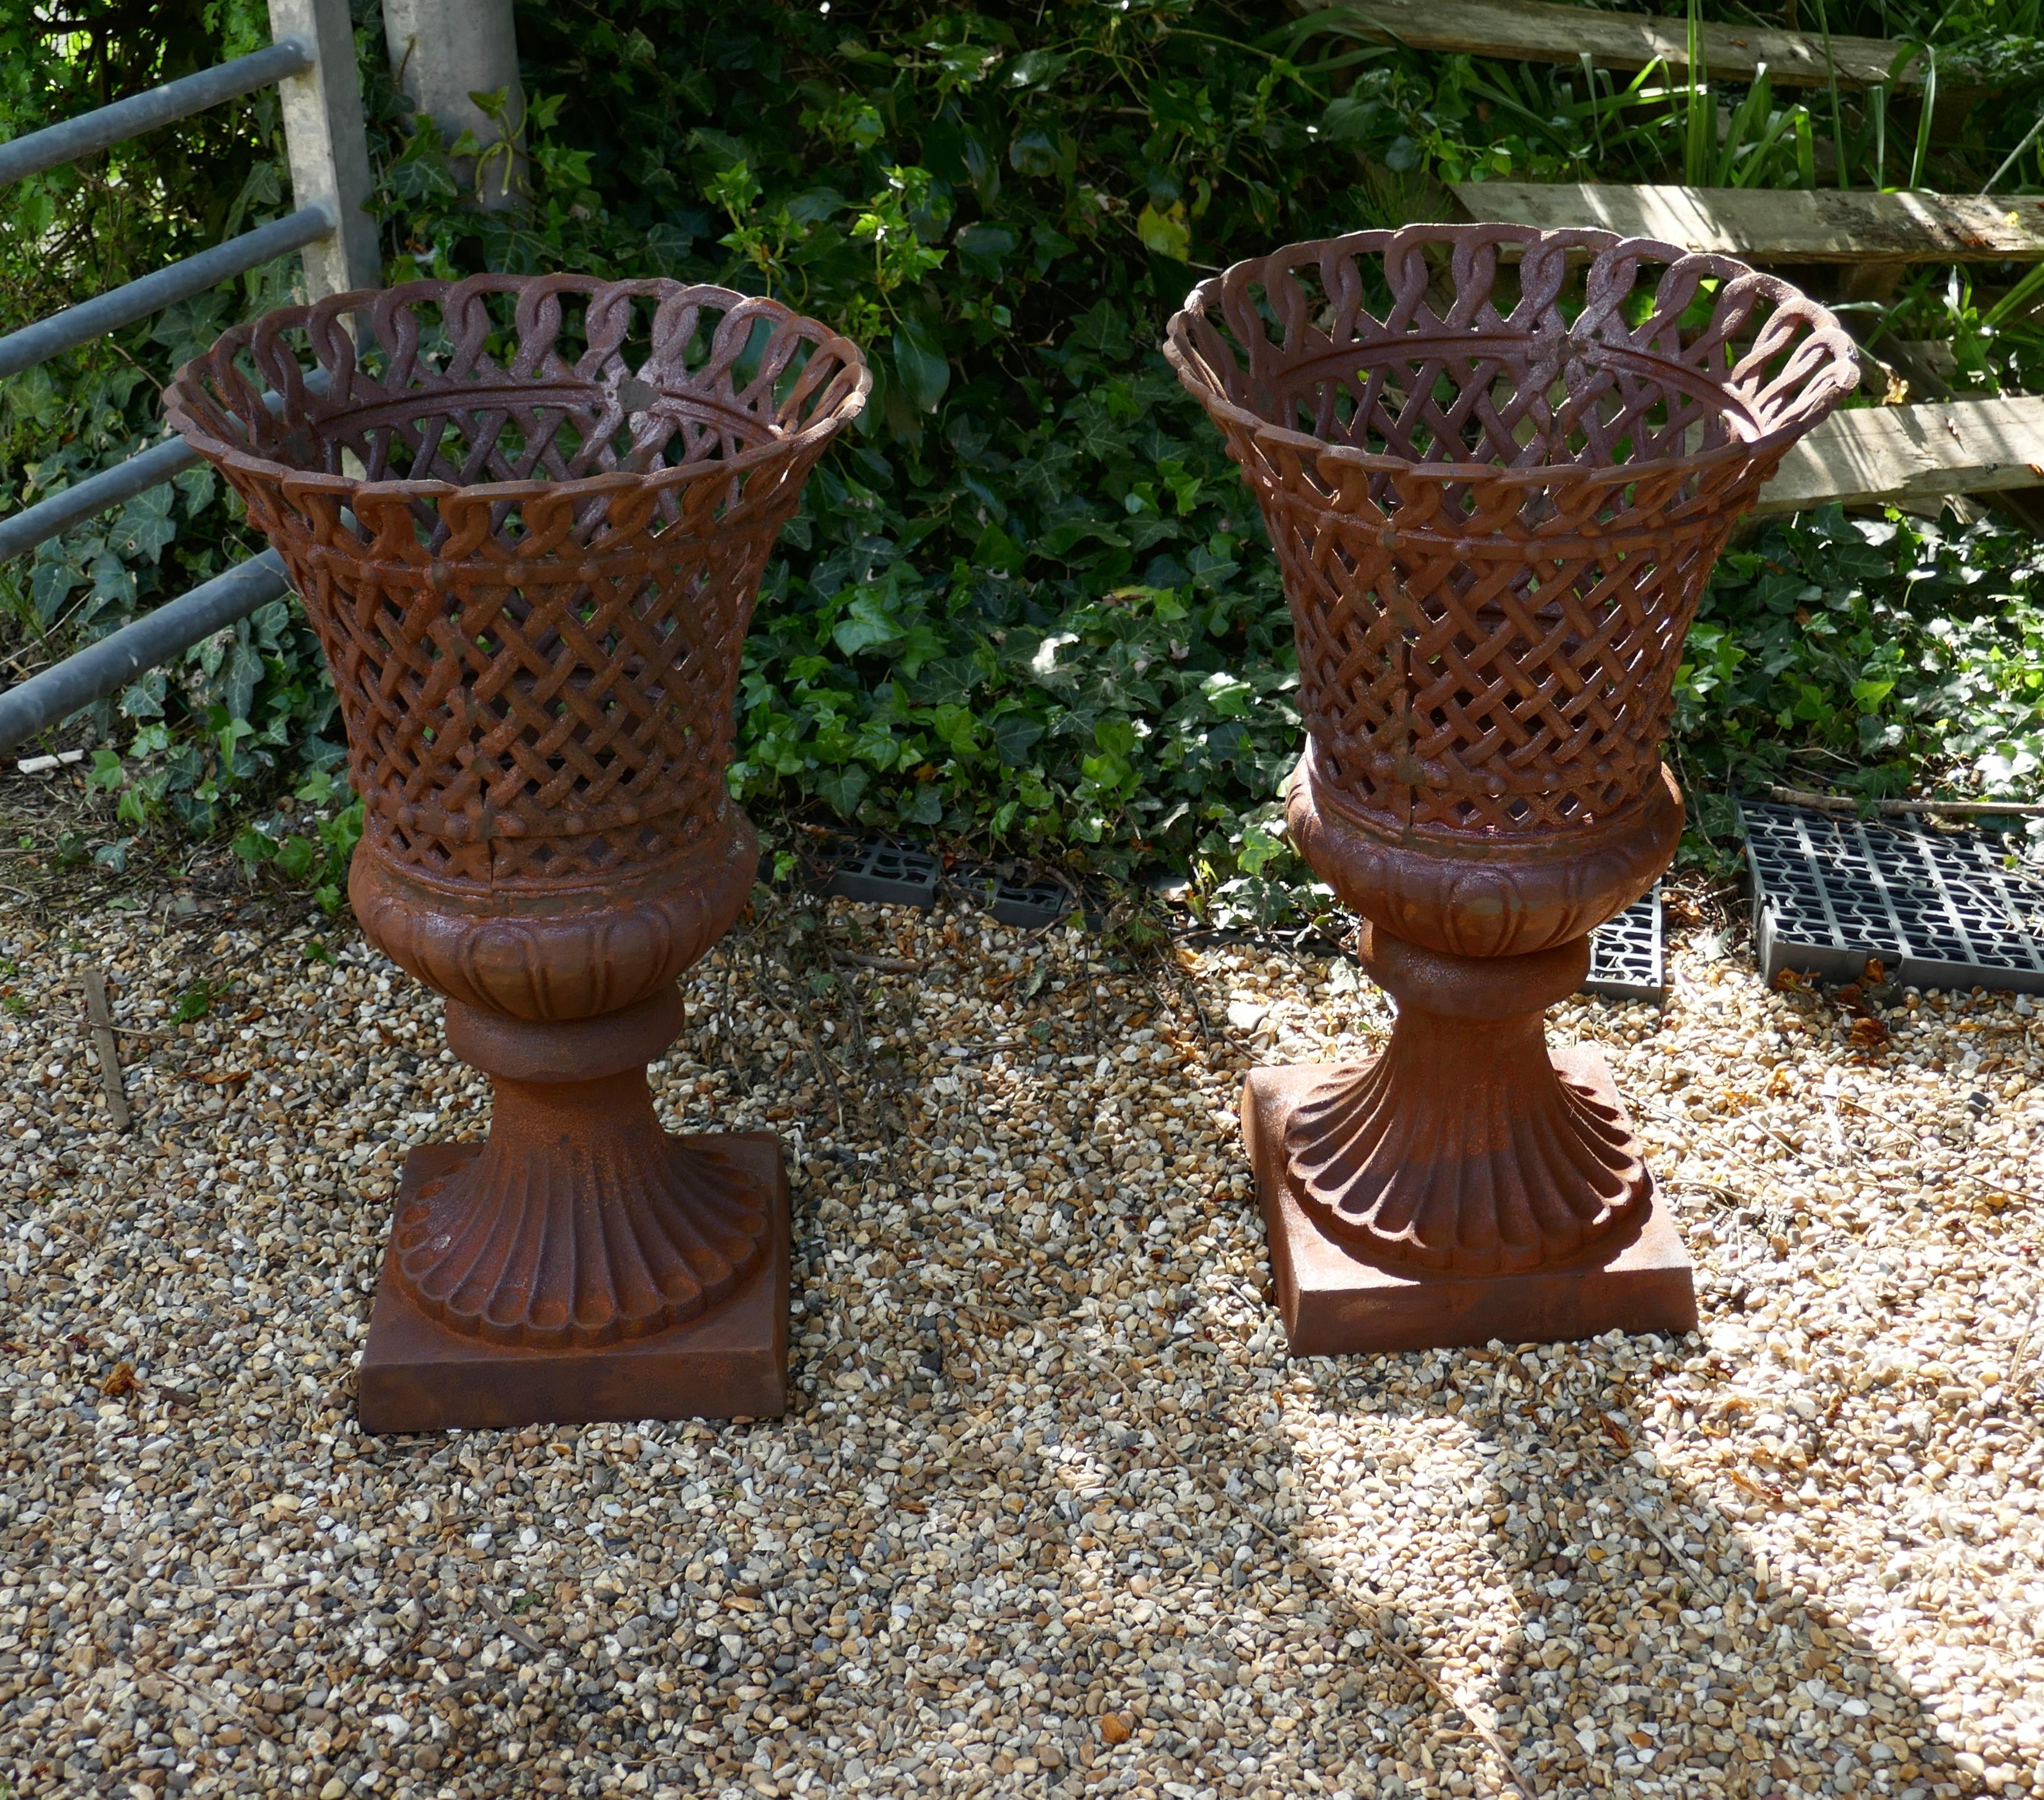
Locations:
{"points": [[1779, 225], [1624, 40], [1901, 453]]}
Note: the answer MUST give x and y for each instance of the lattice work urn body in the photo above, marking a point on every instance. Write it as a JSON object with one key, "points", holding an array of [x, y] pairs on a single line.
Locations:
{"points": [[1496, 466], [528, 518]]}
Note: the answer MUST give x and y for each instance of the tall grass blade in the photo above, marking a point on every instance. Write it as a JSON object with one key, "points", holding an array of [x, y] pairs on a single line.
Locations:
{"points": [[1838, 112], [1877, 96], [2015, 299], [1923, 121], [2009, 162], [1701, 137], [1746, 119], [1756, 165]]}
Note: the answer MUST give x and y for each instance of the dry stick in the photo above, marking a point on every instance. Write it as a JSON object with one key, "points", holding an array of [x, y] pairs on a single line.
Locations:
{"points": [[1397, 1653], [109, 1047], [2023, 1345], [886, 965], [507, 1624], [1898, 808], [857, 1017], [816, 1055]]}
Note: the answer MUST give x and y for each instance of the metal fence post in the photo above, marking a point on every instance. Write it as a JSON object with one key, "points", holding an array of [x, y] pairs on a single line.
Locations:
{"points": [[442, 51], [323, 132]]}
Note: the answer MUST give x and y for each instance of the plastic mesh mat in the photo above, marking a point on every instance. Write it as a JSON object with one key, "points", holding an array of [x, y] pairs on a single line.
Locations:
{"points": [[1939, 908]]}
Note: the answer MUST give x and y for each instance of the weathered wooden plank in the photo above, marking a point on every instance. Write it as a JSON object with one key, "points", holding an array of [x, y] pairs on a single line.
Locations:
{"points": [[1624, 40], [1779, 225], [1903, 453]]}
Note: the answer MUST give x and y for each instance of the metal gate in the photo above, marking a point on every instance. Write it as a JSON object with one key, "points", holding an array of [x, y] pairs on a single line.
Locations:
{"points": [[312, 64]]}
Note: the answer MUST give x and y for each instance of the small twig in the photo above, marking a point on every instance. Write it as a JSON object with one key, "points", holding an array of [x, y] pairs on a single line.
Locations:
{"points": [[2016, 1370], [809, 1039], [509, 1626], [959, 1053], [109, 1047], [887, 965], [1897, 809]]}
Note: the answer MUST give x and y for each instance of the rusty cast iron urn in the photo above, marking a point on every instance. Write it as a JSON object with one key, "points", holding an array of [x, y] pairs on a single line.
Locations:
{"points": [[528, 516], [1497, 465]]}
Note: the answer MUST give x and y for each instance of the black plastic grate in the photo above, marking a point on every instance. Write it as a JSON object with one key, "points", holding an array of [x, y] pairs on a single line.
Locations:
{"points": [[1937, 908], [886, 874], [1627, 959], [1027, 905]]}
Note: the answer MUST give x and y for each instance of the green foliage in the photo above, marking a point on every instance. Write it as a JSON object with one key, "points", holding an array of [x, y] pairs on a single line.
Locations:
{"points": [[193, 1003], [1027, 600], [1872, 653], [195, 739]]}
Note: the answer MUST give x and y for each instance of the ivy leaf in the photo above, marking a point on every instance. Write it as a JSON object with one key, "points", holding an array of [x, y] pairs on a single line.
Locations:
{"points": [[1165, 233], [843, 787], [197, 486], [1100, 330], [144, 697], [1036, 68], [980, 248], [1227, 693], [1015, 735], [113, 581], [245, 670], [1259, 849], [51, 586], [919, 359], [1033, 153], [870, 622], [144, 527]]}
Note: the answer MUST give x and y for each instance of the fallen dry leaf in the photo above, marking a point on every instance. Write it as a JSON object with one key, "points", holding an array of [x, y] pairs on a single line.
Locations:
{"points": [[123, 1380], [1763, 1489], [1113, 1727]]}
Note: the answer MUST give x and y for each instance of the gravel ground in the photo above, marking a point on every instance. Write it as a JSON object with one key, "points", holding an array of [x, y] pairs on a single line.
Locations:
{"points": [[1051, 1512]]}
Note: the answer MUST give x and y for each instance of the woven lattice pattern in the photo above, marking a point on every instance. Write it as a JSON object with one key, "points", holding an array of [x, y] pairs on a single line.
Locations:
{"points": [[1496, 496], [528, 516]]}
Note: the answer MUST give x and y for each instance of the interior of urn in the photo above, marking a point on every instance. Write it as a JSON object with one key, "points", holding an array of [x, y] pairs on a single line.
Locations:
{"points": [[1433, 395], [464, 420], [1476, 398]]}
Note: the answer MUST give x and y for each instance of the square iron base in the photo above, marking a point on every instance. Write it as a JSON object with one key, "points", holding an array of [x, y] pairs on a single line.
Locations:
{"points": [[732, 1363], [1336, 1304]]}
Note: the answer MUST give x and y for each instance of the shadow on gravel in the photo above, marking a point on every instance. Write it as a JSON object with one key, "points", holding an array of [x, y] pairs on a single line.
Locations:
{"points": [[1578, 1605]]}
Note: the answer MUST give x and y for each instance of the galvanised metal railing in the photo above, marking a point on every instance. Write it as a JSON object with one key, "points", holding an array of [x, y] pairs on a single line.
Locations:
{"points": [[312, 64]]}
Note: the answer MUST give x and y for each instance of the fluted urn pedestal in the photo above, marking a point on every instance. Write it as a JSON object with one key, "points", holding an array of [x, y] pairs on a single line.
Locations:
{"points": [[1497, 466], [528, 518]]}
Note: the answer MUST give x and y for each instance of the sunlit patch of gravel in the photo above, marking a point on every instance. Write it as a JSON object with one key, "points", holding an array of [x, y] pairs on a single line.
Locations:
{"points": [[1051, 1512]]}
